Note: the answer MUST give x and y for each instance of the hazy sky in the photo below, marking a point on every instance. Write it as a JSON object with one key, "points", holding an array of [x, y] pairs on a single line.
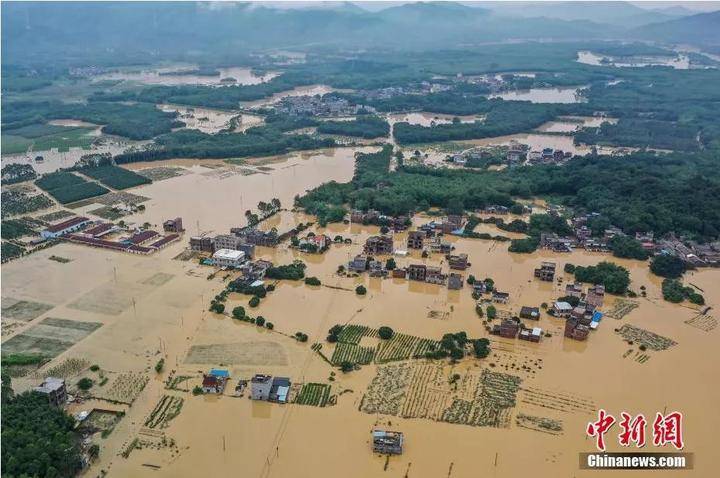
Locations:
{"points": [[379, 5]]}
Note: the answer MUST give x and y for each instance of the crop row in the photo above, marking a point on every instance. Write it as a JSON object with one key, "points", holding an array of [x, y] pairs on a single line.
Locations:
{"points": [[404, 347], [351, 334], [354, 354], [314, 394]]}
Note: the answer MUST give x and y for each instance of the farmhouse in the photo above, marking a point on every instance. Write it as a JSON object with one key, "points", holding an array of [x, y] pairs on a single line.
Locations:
{"points": [[500, 297], [546, 271], [387, 442], [54, 389], [415, 239], [531, 335], [260, 387], [173, 225], [455, 281], [532, 313], [458, 262], [417, 272], [561, 309], [379, 245]]}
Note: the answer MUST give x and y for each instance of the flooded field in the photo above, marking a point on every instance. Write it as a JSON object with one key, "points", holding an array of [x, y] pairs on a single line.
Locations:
{"points": [[431, 119], [54, 159], [211, 120], [570, 124], [543, 95], [679, 62], [537, 141], [179, 76], [125, 312], [310, 90]]}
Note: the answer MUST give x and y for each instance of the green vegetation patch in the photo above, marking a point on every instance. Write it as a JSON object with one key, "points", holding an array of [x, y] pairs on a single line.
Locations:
{"points": [[352, 334], [67, 187], [314, 394], [351, 353], [404, 347], [115, 177]]}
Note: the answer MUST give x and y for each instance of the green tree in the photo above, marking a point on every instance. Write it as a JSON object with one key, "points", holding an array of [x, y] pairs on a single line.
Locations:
{"points": [[85, 383], [238, 312], [385, 333], [254, 301], [668, 266], [360, 290]]}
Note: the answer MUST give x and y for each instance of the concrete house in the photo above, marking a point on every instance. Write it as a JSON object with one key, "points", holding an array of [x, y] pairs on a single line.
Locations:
{"points": [[415, 239], [417, 272], [54, 389], [458, 262], [260, 387], [455, 281]]}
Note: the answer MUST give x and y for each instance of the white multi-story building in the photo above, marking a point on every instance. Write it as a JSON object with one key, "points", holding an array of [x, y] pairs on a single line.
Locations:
{"points": [[228, 258]]}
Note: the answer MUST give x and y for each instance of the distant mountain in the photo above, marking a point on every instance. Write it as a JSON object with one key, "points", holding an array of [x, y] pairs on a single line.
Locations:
{"points": [[700, 29], [67, 30], [619, 14]]}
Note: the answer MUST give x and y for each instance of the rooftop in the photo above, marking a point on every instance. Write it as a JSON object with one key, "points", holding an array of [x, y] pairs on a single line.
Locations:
{"points": [[229, 254]]}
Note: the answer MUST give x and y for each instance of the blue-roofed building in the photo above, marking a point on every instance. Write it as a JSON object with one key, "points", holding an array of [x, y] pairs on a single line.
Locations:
{"points": [[220, 373]]}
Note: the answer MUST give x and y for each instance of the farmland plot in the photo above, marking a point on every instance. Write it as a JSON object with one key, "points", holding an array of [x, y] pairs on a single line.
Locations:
{"points": [[355, 354], [404, 347], [352, 334], [166, 409], [314, 394], [50, 337]]}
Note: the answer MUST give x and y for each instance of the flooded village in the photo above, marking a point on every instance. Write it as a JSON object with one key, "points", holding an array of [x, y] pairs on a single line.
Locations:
{"points": [[329, 263], [420, 276]]}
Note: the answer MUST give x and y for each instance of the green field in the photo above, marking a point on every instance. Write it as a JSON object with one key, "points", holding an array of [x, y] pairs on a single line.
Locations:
{"points": [[43, 137], [116, 178], [314, 394], [67, 187]]}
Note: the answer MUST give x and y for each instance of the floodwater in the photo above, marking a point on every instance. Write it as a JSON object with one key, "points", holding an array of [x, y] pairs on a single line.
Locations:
{"points": [[431, 119], [154, 306], [543, 95], [680, 62], [210, 120], [571, 124], [164, 76], [310, 90], [55, 159], [537, 142]]}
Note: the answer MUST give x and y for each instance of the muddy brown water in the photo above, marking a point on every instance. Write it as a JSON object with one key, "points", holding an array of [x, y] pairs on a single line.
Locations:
{"points": [[145, 319]]}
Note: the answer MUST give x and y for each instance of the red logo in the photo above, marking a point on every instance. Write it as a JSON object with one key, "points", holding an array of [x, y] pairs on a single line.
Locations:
{"points": [[666, 429]]}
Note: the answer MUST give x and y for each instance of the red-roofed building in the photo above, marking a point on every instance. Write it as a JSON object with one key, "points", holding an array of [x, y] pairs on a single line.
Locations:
{"points": [[71, 225]]}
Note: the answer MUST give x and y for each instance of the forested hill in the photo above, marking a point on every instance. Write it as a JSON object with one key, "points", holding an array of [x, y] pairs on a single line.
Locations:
{"points": [[225, 30], [703, 28]]}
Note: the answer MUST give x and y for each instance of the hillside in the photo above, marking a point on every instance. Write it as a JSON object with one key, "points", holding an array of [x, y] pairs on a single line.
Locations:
{"points": [[700, 29]]}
